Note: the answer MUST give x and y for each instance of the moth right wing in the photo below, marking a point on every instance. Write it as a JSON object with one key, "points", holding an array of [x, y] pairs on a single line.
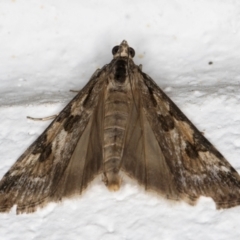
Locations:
{"points": [[64, 159]]}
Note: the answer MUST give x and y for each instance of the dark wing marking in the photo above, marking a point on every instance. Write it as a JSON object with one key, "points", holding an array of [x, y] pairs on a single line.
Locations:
{"points": [[195, 165], [63, 160]]}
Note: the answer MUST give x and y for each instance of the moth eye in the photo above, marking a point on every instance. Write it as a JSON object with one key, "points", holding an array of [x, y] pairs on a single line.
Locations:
{"points": [[115, 50], [131, 52]]}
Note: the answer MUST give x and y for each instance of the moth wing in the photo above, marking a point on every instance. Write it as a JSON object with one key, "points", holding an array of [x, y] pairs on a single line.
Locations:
{"points": [[63, 160], [191, 164], [142, 158]]}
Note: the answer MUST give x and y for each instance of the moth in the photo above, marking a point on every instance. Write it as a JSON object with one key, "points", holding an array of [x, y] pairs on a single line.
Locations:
{"points": [[121, 121]]}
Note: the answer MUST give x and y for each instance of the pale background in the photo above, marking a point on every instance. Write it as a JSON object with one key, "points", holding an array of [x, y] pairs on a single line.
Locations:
{"points": [[48, 47]]}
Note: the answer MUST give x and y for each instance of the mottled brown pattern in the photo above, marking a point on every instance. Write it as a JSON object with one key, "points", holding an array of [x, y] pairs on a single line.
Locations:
{"points": [[120, 121]]}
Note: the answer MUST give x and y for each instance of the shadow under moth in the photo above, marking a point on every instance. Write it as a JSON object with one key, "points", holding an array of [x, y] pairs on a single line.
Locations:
{"points": [[120, 121]]}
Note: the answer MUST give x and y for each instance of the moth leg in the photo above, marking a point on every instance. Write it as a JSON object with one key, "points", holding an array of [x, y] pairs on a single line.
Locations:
{"points": [[43, 119], [74, 91]]}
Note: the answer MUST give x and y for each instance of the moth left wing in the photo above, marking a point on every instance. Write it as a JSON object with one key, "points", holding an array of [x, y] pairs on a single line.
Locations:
{"points": [[63, 160], [142, 158], [196, 167]]}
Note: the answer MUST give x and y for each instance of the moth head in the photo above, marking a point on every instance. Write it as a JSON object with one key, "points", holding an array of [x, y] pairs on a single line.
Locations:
{"points": [[123, 50]]}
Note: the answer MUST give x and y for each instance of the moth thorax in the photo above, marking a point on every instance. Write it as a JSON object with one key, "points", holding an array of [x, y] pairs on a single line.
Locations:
{"points": [[120, 71], [112, 181]]}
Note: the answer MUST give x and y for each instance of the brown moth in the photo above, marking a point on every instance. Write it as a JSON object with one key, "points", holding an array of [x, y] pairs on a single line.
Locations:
{"points": [[120, 121]]}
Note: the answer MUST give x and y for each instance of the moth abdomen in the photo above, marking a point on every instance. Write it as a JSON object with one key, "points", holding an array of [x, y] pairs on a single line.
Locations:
{"points": [[116, 115]]}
